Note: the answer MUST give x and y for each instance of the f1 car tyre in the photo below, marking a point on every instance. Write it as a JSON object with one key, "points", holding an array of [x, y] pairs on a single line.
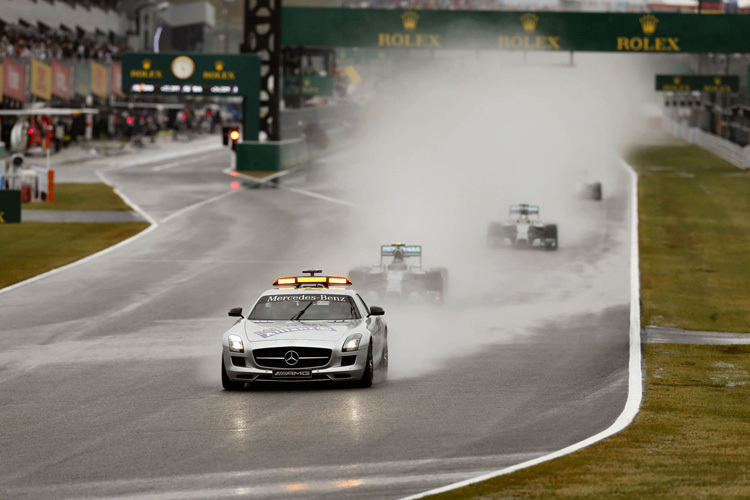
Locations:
{"points": [[369, 375], [494, 235], [226, 383], [550, 237], [383, 365], [596, 191], [436, 279]]}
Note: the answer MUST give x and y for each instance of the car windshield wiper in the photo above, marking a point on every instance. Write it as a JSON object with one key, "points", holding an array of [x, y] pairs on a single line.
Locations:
{"points": [[299, 314]]}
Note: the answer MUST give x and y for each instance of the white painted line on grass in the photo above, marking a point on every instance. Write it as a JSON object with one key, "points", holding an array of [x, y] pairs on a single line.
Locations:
{"points": [[635, 388]]}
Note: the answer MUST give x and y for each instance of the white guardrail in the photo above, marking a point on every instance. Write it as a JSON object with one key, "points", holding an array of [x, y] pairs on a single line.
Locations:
{"points": [[731, 152]]}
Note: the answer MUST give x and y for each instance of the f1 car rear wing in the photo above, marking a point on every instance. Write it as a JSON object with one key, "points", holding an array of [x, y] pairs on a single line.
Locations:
{"points": [[409, 250], [524, 209], [406, 251]]}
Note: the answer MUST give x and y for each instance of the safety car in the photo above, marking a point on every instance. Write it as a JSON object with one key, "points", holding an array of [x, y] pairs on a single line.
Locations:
{"points": [[306, 328], [403, 278], [522, 229]]}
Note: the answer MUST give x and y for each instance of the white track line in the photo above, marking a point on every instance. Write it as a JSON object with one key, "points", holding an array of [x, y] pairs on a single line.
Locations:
{"points": [[154, 223], [167, 166], [199, 204], [635, 388], [269, 181]]}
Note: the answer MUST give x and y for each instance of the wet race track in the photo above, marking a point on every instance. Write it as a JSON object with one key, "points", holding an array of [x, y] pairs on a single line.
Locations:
{"points": [[109, 371]]}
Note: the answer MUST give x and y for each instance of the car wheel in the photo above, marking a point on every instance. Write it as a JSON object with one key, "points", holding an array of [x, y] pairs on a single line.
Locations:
{"points": [[550, 237], [596, 191], [226, 383], [494, 235], [383, 365], [368, 376]]}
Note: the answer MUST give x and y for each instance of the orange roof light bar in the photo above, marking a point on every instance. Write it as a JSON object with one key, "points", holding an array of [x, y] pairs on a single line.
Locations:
{"points": [[285, 281], [300, 280], [312, 279], [336, 280]]}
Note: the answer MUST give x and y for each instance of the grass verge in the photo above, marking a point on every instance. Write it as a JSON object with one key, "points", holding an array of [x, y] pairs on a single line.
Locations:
{"points": [[32, 248], [691, 436], [694, 239], [80, 196], [690, 439]]}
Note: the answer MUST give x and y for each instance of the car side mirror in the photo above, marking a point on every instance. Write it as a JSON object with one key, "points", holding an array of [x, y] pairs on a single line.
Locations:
{"points": [[236, 311], [377, 311]]}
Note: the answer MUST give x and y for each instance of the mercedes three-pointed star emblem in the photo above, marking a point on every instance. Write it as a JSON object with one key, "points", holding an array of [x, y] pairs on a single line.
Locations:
{"points": [[291, 358]]}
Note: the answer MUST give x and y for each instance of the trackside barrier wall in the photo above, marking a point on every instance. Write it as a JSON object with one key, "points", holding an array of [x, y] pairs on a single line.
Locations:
{"points": [[10, 206], [733, 153], [282, 155]]}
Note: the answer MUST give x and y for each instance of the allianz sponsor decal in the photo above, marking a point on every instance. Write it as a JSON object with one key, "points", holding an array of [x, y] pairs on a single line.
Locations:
{"points": [[306, 328]]}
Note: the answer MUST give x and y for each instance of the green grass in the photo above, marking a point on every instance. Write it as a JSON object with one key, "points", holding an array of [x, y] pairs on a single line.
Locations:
{"points": [[694, 239], [690, 439], [74, 196], [32, 248]]}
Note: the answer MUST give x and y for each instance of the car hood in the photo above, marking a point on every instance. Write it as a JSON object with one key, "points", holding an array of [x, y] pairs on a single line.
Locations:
{"points": [[302, 330]]}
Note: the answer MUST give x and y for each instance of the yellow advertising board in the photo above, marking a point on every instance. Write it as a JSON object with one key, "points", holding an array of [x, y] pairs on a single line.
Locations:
{"points": [[41, 80], [99, 85]]}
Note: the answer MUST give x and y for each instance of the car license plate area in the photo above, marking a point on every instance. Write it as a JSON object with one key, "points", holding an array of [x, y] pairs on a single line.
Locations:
{"points": [[292, 374]]}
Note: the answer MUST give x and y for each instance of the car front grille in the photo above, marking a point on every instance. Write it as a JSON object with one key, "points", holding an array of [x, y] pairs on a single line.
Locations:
{"points": [[283, 357]]}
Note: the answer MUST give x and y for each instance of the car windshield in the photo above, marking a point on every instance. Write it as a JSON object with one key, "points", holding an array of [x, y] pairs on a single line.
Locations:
{"points": [[302, 307]]}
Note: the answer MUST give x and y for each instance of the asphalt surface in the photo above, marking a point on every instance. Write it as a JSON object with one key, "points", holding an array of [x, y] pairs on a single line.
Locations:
{"points": [[109, 371]]}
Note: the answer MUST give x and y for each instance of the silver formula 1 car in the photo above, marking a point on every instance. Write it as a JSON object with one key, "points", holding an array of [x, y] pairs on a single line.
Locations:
{"points": [[522, 229], [403, 278], [308, 328]]}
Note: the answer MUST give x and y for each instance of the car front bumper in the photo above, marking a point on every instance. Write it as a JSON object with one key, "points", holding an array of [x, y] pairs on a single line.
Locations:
{"points": [[342, 366]]}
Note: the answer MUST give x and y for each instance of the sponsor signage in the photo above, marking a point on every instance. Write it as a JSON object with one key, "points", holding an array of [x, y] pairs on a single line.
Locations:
{"points": [[41, 80], [308, 85], [514, 30], [83, 79], [116, 79], [190, 73], [99, 82], [700, 83], [60, 80], [14, 80]]}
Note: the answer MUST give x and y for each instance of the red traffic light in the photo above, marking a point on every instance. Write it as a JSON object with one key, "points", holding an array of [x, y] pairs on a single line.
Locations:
{"points": [[31, 131]]}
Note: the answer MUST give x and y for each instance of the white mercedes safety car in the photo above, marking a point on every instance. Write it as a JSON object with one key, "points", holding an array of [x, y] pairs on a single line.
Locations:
{"points": [[307, 328]]}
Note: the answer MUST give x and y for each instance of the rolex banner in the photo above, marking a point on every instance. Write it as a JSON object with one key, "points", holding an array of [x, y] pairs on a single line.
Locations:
{"points": [[514, 30]]}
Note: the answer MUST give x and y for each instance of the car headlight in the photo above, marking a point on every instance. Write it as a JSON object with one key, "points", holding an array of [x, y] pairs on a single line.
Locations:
{"points": [[352, 342], [235, 343]]}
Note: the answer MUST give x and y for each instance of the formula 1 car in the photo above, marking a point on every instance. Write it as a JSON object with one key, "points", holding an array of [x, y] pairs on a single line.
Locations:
{"points": [[522, 229], [307, 328], [590, 191], [399, 280]]}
